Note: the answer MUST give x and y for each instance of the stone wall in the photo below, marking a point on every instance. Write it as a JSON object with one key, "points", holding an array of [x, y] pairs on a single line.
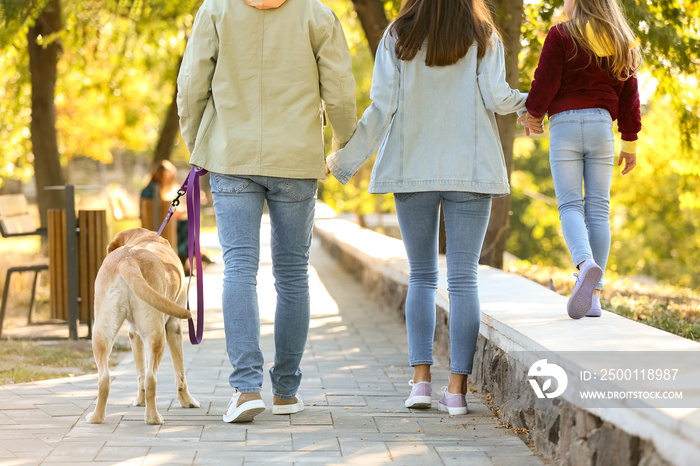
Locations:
{"points": [[559, 431]]}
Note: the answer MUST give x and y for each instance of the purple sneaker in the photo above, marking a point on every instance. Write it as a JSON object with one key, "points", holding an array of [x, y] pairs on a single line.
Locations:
{"points": [[596, 310], [581, 299], [453, 404], [421, 395]]}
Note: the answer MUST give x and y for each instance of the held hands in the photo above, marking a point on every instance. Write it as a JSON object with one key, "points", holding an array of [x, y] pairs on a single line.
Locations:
{"points": [[532, 124], [630, 161]]}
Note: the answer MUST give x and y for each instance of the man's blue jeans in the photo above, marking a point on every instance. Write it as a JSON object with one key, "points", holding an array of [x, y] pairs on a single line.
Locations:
{"points": [[466, 219], [582, 157], [238, 204]]}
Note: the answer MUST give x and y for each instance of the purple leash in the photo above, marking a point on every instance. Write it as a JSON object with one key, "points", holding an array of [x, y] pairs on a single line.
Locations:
{"points": [[190, 188]]}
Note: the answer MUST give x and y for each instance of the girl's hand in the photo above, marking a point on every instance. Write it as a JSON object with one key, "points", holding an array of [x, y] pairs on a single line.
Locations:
{"points": [[630, 161], [532, 124]]}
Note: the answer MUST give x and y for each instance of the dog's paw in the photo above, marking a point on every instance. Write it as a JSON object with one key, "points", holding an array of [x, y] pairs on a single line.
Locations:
{"points": [[189, 402], [93, 418], [154, 419], [140, 400]]}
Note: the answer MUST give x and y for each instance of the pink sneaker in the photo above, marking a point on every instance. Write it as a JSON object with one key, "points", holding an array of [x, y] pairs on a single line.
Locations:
{"points": [[596, 310], [581, 299], [421, 396], [452, 403]]}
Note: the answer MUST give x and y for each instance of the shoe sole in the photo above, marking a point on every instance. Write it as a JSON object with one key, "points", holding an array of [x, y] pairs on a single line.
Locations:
{"points": [[591, 314], [580, 303], [452, 411], [419, 402], [245, 413], [288, 409]]}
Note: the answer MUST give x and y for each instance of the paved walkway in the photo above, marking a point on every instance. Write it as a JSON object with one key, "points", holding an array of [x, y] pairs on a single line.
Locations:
{"points": [[355, 381]]}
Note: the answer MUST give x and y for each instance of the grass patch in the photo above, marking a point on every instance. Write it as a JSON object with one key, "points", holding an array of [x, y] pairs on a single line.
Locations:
{"points": [[670, 308], [29, 361]]}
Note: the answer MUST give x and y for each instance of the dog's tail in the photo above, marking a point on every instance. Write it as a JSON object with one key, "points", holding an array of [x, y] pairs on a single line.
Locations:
{"points": [[131, 273]]}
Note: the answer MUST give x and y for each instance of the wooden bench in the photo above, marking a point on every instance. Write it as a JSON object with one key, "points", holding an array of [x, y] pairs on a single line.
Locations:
{"points": [[15, 221]]}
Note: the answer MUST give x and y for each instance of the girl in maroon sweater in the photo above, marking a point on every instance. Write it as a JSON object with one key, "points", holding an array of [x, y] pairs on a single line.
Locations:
{"points": [[584, 81]]}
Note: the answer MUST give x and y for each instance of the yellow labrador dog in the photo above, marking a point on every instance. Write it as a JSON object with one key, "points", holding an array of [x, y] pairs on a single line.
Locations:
{"points": [[141, 280]]}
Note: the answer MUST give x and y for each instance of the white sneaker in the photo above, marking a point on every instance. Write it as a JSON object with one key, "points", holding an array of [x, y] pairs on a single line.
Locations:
{"points": [[246, 412], [289, 409]]}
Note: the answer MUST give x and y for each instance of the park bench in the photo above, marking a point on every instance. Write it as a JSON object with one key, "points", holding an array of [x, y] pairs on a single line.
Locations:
{"points": [[15, 221]]}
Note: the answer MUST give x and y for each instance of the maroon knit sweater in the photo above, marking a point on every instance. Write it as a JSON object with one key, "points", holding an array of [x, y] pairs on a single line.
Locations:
{"points": [[563, 84]]}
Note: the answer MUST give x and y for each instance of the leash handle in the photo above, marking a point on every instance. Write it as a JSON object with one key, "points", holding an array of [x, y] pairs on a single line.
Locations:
{"points": [[193, 218], [190, 188]]}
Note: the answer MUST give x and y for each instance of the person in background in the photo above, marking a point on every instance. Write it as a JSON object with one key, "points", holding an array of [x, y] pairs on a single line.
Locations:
{"points": [[439, 78], [585, 80], [164, 174]]}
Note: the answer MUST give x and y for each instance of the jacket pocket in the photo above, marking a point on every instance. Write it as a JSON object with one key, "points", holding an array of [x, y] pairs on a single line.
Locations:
{"points": [[230, 184], [300, 189]]}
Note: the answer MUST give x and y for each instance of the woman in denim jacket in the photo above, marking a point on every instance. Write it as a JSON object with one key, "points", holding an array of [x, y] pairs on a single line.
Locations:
{"points": [[439, 79]]}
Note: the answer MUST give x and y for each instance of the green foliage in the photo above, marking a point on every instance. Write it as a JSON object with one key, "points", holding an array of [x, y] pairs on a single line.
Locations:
{"points": [[654, 231], [115, 78], [535, 230], [354, 197]]}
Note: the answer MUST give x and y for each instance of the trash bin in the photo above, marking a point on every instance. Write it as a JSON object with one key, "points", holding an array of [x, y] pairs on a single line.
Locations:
{"points": [[92, 240]]}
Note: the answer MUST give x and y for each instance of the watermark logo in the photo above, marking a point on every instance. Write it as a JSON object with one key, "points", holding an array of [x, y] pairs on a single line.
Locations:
{"points": [[542, 369]]}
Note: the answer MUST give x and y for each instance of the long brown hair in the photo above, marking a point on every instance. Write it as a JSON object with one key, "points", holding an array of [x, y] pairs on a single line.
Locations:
{"points": [[607, 21], [451, 27]]}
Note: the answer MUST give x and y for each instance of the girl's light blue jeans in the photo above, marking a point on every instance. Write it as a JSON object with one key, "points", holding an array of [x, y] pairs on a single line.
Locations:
{"points": [[582, 157], [238, 204], [466, 219]]}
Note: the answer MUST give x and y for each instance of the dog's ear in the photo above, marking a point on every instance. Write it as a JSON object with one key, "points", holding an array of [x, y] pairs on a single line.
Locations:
{"points": [[119, 241]]}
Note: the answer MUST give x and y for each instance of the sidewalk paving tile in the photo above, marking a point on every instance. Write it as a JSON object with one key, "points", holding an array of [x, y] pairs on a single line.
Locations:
{"points": [[355, 381]]}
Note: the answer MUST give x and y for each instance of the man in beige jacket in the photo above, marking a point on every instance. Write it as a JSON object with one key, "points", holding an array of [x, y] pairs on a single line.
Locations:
{"points": [[250, 92]]}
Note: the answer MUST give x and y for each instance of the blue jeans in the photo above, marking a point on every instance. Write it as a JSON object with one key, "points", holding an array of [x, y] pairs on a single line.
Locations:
{"points": [[466, 219], [238, 204], [582, 157]]}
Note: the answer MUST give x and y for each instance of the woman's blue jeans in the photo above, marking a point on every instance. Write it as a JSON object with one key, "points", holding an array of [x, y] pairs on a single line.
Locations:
{"points": [[582, 157], [238, 204], [466, 219]]}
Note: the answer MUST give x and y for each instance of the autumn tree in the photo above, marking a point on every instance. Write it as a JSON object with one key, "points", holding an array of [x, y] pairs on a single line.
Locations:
{"points": [[102, 79], [43, 24]]}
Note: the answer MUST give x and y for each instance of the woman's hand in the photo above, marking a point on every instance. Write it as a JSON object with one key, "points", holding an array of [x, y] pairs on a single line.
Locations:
{"points": [[532, 124], [630, 161]]}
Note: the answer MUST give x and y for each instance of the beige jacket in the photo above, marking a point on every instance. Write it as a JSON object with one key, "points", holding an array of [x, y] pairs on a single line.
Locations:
{"points": [[251, 84]]}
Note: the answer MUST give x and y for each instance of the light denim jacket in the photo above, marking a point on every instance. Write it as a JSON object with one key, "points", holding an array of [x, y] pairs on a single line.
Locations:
{"points": [[434, 127]]}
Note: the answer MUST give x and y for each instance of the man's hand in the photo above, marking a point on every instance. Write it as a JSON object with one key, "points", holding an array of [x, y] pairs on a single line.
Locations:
{"points": [[630, 161]]}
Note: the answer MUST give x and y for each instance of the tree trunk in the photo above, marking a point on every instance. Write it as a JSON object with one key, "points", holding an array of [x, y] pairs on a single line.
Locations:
{"points": [[168, 133], [373, 19], [509, 18], [171, 127], [42, 66]]}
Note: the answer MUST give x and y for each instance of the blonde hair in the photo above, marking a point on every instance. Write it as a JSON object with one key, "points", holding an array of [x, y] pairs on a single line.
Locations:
{"points": [[607, 21]]}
